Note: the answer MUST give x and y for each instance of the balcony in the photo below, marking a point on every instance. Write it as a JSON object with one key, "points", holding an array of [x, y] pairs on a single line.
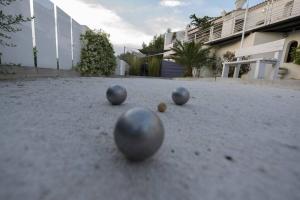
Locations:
{"points": [[267, 13]]}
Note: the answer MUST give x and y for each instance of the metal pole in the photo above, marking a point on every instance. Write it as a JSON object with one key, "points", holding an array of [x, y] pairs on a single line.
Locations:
{"points": [[244, 26]]}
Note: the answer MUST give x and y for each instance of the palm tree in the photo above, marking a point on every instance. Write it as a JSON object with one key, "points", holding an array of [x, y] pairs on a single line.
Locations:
{"points": [[190, 55]]}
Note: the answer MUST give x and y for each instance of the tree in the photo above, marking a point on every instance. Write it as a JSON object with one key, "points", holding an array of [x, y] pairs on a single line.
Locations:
{"points": [[201, 22], [97, 54], [9, 23], [190, 55], [155, 46]]}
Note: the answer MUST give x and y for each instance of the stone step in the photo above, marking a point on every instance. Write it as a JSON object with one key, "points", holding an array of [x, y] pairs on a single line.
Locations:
{"points": [[282, 72]]}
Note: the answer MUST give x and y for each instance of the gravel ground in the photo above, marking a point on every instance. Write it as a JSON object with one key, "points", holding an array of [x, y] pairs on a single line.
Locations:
{"points": [[231, 141]]}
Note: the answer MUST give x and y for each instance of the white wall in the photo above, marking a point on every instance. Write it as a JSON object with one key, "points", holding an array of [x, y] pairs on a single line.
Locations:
{"points": [[45, 33], [77, 31], [233, 46], [23, 52], [45, 38], [64, 39]]}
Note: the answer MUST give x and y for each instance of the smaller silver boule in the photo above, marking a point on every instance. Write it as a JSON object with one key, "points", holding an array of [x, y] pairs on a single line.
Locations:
{"points": [[180, 96], [138, 134], [116, 94]]}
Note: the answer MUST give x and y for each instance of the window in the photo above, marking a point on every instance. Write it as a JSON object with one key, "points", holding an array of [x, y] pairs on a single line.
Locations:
{"points": [[291, 46], [288, 8], [217, 31]]}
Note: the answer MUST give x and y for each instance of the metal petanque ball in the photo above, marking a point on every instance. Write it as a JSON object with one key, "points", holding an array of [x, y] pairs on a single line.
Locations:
{"points": [[116, 94], [138, 134], [180, 96]]}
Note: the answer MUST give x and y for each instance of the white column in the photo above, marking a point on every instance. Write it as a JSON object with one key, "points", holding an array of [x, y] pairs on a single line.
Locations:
{"points": [[277, 56], [259, 70], [225, 71], [237, 69]]}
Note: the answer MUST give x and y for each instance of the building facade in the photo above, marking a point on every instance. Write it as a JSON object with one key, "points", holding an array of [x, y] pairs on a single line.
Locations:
{"points": [[268, 21]]}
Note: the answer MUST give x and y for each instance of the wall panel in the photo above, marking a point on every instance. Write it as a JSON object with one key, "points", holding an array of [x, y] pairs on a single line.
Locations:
{"points": [[22, 53], [77, 31], [64, 39], [45, 33]]}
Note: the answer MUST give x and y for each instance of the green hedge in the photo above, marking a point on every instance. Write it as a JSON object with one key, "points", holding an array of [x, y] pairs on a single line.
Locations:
{"points": [[296, 55], [97, 54]]}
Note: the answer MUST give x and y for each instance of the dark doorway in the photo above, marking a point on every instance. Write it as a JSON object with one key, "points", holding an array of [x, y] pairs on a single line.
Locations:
{"points": [[290, 49]]}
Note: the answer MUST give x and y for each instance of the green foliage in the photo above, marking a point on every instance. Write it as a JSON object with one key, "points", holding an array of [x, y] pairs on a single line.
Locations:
{"points": [[154, 66], [229, 56], [296, 55], [201, 22], [190, 55], [134, 63], [9, 23], [97, 54], [156, 45]]}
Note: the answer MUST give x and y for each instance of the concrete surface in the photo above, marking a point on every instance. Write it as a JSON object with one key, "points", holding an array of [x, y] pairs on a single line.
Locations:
{"points": [[231, 141], [16, 72]]}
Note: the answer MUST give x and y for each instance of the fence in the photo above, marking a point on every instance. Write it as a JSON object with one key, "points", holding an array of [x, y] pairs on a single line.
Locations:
{"points": [[55, 35]]}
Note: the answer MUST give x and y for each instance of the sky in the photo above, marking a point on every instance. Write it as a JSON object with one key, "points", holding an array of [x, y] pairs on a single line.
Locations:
{"points": [[132, 22]]}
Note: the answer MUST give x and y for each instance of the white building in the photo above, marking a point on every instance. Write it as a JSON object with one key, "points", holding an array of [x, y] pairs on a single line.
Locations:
{"points": [[268, 21]]}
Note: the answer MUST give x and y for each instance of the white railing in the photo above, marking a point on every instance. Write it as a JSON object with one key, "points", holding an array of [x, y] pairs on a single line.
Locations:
{"points": [[268, 12]]}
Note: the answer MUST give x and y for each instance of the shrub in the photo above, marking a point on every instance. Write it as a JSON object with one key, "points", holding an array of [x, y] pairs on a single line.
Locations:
{"points": [[154, 66], [97, 54], [133, 61], [296, 55], [135, 65]]}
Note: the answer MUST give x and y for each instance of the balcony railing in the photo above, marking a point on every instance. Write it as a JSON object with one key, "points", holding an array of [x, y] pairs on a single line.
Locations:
{"points": [[263, 14]]}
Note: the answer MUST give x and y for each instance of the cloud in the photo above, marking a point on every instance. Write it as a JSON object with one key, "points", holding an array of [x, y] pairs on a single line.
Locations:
{"points": [[171, 3], [97, 16], [160, 24]]}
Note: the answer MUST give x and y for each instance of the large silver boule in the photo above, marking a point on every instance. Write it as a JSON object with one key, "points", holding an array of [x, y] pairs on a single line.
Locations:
{"points": [[139, 133], [116, 94], [180, 96]]}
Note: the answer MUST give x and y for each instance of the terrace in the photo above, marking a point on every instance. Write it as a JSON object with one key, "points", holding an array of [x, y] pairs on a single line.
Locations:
{"points": [[261, 16]]}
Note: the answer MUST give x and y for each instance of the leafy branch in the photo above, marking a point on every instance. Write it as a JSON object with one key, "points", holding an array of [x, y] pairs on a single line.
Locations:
{"points": [[201, 22]]}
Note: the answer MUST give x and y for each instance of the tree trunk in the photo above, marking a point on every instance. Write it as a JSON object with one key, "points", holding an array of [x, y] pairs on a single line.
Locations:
{"points": [[188, 72]]}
